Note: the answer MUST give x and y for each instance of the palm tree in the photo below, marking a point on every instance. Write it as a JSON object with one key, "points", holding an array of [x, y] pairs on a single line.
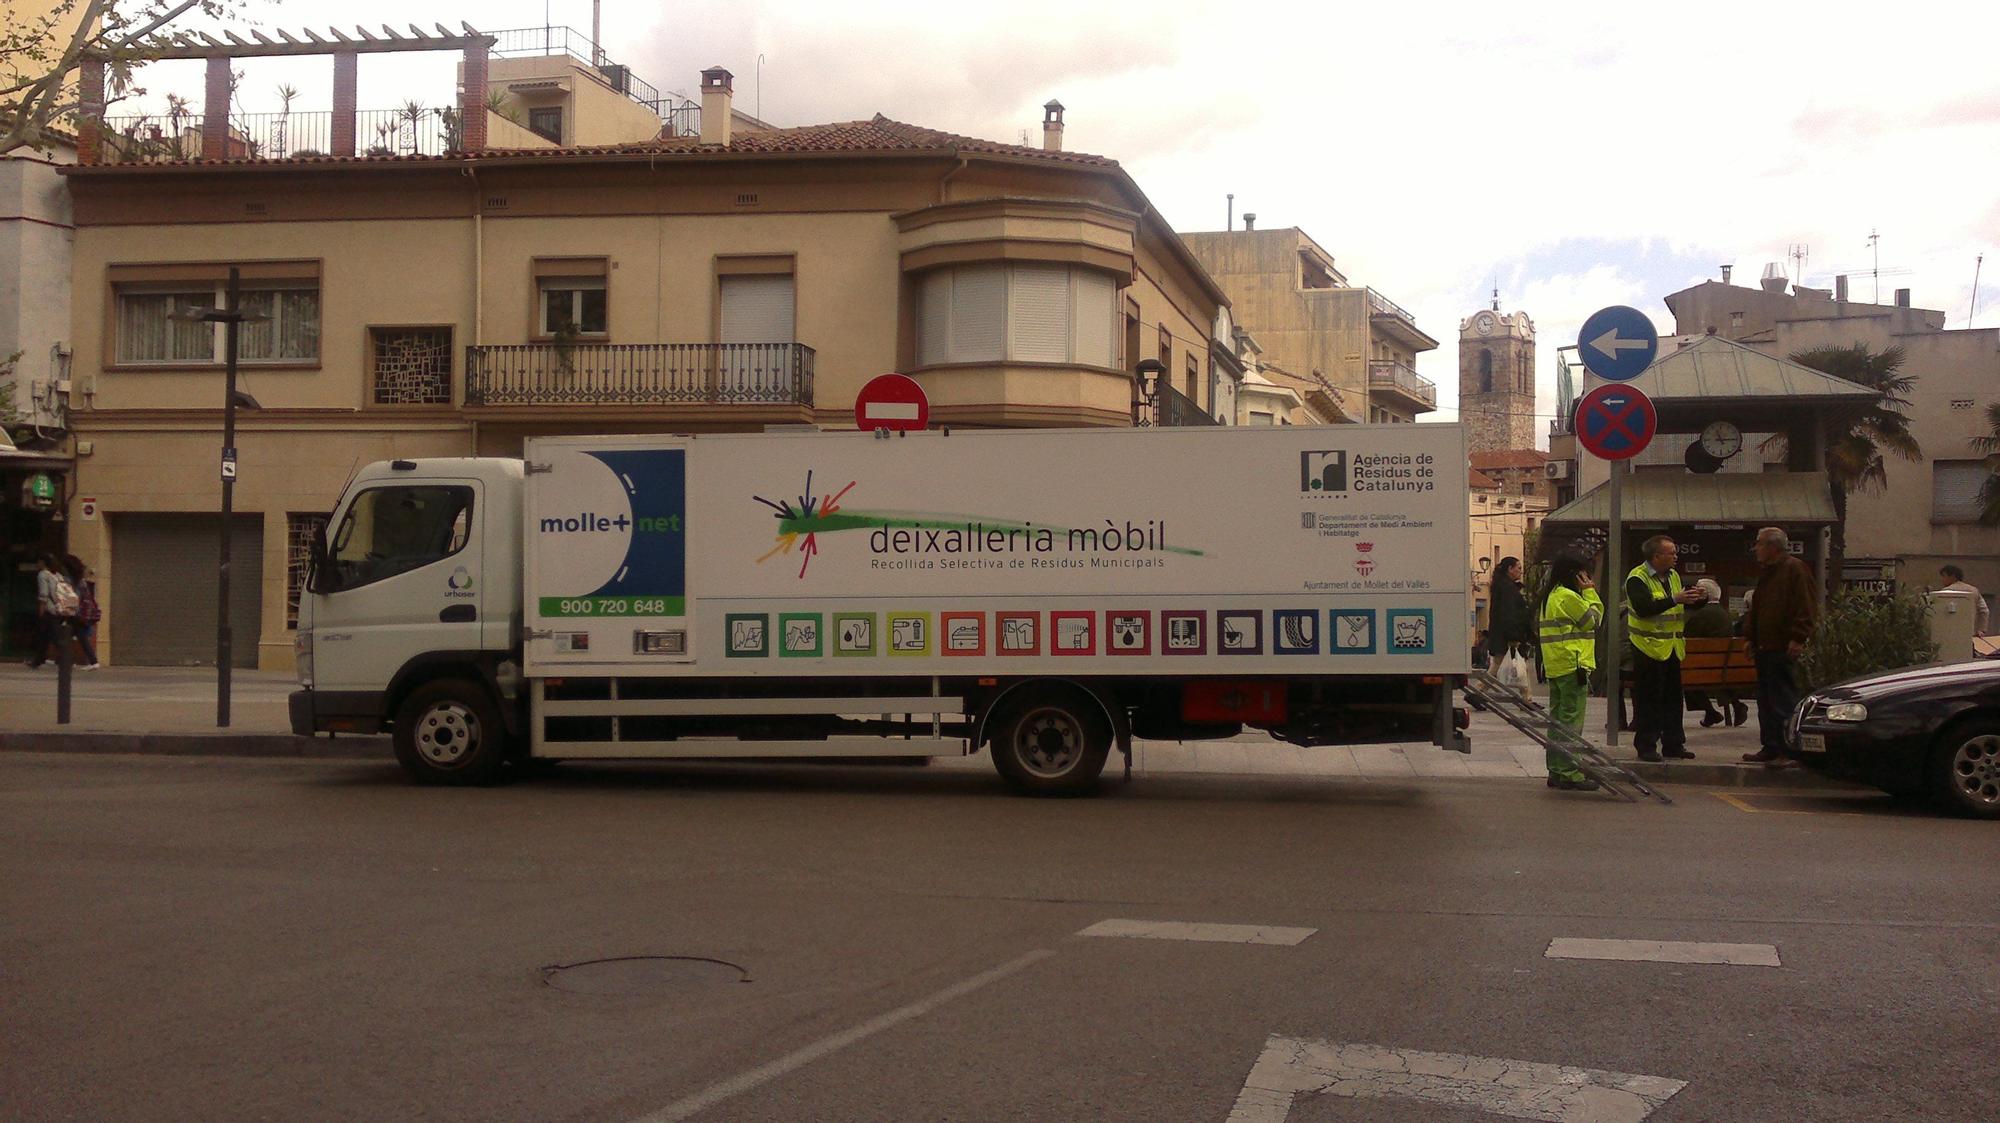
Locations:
{"points": [[1989, 492], [1859, 439]]}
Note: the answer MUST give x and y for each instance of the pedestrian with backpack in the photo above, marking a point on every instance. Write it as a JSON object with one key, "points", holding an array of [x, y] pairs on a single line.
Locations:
{"points": [[56, 607]]}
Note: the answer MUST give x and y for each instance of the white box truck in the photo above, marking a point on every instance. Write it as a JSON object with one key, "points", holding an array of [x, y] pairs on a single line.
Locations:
{"points": [[1044, 594]]}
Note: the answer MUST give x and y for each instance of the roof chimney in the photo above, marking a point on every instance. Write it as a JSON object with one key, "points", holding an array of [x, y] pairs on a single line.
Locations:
{"points": [[1840, 288], [1249, 220], [717, 88], [1052, 126], [1774, 278], [1902, 298], [1725, 273]]}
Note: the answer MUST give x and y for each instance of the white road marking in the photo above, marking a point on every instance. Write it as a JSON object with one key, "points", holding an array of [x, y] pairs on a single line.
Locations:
{"points": [[1290, 1067], [890, 411], [745, 1081], [1206, 933], [1664, 951]]}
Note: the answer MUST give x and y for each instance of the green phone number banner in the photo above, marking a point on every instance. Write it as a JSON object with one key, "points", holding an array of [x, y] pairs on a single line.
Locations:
{"points": [[613, 606]]}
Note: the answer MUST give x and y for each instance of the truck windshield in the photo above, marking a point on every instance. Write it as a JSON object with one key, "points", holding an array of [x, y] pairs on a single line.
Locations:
{"points": [[392, 530]]}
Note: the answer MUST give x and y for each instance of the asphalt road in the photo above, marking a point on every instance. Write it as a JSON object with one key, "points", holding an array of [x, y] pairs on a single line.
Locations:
{"points": [[260, 939]]}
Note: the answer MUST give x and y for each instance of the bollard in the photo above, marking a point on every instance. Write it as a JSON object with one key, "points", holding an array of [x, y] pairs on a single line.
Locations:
{"points": [[63, 640]]}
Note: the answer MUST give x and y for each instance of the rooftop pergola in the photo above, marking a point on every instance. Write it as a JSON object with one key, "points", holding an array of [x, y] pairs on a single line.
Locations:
{"points": [[346, 52]]}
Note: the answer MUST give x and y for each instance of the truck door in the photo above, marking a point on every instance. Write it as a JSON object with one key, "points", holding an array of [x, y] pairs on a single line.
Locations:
{"points": [[403, 578]]}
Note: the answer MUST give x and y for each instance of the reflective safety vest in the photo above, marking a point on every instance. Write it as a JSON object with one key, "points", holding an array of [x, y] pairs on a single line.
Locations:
{"points": [[1569, 630], [1657, 637]]}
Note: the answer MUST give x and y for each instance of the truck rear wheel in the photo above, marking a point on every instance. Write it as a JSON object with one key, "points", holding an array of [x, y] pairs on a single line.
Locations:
{"points": [[450, 732], [1052, 743]]}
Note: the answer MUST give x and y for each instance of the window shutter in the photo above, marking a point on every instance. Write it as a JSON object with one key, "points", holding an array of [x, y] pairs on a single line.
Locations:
{"points": [[1038, 312], [934, 318], [1955, 487], [979, 314], [757, 309], [1096, 296]]}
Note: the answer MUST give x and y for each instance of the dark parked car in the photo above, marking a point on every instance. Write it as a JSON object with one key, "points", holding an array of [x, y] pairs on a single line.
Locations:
{"points": [[1923, 731]]}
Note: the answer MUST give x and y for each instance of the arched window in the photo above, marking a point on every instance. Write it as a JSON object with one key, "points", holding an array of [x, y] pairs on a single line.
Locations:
{"points": [[1521, 372], [1486, 372]]}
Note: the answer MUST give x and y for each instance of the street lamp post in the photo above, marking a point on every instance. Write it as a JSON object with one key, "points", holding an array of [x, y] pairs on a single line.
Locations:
{"points": [[1146, 380], [231, 316]]}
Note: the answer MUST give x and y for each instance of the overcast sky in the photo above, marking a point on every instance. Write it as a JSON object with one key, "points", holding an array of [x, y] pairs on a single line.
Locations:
{"points": [[1578, 154]]}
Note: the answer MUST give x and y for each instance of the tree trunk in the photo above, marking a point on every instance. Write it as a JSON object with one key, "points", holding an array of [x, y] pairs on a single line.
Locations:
{"points": [[1836, 547]]}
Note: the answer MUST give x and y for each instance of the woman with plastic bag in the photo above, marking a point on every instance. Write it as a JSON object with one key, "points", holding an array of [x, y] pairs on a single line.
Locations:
{"points": [[1570, 613], [1510, 635]]}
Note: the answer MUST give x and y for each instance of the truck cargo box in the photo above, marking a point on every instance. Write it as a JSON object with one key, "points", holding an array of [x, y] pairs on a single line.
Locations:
{"points": [[1180, 551]]}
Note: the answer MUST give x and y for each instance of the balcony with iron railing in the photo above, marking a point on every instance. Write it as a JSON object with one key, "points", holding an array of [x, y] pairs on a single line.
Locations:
{"points": [[639, 374], [414, 129], [1171, 407], [1387, 376], [1397, 319]]}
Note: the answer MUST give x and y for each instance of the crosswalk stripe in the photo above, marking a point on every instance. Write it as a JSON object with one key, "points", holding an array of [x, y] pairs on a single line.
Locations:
{"points": [[1664, 951], [1202, 933]]}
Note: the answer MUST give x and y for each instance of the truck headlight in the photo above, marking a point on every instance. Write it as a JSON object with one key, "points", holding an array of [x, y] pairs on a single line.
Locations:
{"points": [[1847, 711], [302, 657]]}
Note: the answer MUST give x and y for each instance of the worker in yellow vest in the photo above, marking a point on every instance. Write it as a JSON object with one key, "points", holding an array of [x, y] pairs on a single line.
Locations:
{"points": [[1656, 613], [1568, 621]]}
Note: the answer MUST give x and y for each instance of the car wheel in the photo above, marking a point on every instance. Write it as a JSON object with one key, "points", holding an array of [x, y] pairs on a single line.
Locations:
{"points": [[1967, 768], [1052, 743], [450, 732]]}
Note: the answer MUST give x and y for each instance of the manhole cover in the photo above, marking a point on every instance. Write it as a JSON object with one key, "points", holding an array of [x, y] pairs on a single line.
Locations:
{"points": [[643, 974]]}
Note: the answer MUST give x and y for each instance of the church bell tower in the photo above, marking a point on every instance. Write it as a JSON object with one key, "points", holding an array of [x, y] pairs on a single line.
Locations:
{"points": [[1496, 379]]}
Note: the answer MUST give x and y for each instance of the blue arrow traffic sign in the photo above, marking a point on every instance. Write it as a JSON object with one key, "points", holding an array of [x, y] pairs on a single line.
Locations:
{"points": [[1615, 422], [1618, 342]]}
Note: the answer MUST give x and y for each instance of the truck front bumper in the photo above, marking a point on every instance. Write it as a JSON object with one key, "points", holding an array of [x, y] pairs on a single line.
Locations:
{"points": [[338, 711]]}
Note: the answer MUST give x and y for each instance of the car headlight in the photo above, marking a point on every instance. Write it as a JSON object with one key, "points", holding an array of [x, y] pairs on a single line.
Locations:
{"points": [[1847, 711]]}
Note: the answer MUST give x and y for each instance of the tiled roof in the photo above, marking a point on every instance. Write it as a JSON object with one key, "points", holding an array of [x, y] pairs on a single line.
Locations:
{"points": [[877, 135], [1509, 458], [1480, 480]]}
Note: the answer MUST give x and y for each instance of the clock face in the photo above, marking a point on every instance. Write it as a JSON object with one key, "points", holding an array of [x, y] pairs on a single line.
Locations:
{"points": [[1721, 440], [1483, 324]]}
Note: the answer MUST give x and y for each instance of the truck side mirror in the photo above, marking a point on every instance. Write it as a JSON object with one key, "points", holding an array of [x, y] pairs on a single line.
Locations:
{"points": [[319, 573]]}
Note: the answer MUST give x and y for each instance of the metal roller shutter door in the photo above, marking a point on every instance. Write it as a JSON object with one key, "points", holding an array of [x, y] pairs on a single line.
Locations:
{"points": [[163, 589]]}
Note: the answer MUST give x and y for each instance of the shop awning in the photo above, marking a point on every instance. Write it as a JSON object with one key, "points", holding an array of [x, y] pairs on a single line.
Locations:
{"points": [[1684, 499]]}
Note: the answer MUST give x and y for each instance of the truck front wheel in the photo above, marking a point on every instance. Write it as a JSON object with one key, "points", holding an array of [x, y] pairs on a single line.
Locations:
{"points": [[450, 732], [1052, 743]]}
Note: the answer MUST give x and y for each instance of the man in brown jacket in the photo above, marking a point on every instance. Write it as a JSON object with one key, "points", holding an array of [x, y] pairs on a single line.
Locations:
{"points": [[1782, 613]]}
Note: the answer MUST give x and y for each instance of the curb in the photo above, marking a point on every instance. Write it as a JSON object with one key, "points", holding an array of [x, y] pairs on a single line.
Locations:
{"points": [[201, 744], [1736, 776]]}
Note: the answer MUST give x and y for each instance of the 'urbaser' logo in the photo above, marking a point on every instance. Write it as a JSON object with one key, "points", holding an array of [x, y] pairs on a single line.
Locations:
{"points": [[1323, 471]]}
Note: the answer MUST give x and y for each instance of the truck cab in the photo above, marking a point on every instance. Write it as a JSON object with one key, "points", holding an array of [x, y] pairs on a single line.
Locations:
{"points": [[415, 580]]}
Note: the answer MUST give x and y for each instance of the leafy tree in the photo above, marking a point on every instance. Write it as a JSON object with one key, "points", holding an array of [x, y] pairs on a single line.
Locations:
{"points": [[40, 54], [1859, 439], [1989, 492]]}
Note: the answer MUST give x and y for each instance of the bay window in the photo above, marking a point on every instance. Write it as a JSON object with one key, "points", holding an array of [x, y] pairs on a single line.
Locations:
{"points": [[1016, 313]]}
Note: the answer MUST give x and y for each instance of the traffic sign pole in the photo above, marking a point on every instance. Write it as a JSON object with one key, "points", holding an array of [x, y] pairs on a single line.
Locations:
{"points": [[1614, 613]]}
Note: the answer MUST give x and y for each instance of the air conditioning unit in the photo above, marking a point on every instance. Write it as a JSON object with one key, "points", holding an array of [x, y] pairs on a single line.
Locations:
{"points": [[1558, 469]]}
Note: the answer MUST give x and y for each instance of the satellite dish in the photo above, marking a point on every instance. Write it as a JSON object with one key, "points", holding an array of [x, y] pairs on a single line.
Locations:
{"points": [[1699, 461]]}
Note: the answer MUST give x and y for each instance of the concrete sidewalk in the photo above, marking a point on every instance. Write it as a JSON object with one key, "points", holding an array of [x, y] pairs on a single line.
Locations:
{"points": [[171, 710]]}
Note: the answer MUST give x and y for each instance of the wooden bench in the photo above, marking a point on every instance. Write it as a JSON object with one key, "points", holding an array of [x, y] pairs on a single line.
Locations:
{"points": [[1722, 668]]}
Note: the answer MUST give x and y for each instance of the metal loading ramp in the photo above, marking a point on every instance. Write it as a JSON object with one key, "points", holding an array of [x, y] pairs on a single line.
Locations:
{"points": [[1525, 714]]}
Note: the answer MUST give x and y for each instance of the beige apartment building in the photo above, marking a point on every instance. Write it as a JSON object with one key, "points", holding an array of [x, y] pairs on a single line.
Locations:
{"points": [[713, 274], [1346, 341], [1927, 514]]}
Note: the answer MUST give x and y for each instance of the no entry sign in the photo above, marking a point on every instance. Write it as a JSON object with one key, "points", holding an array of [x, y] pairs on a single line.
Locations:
{"points": [[892, 401], [1615, 422]]}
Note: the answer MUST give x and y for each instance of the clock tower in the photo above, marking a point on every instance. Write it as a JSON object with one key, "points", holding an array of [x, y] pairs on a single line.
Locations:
{"points": [[1496, 379]]}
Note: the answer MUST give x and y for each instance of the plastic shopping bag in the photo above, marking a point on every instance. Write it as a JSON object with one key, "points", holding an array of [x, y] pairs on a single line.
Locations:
{"points": [[1516, 671]]}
